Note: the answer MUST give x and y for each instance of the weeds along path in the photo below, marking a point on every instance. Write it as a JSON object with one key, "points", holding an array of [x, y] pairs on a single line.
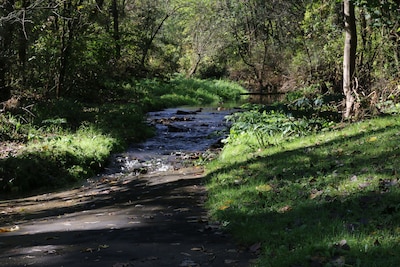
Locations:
{"points": [[121, 218]]}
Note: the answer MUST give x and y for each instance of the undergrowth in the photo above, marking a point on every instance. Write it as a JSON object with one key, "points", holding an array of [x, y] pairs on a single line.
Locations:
{"points": [[56, 161], [271, 127]]}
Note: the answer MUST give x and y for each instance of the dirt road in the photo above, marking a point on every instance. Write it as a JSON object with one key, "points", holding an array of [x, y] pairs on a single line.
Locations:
{"points": [[118, 220]]}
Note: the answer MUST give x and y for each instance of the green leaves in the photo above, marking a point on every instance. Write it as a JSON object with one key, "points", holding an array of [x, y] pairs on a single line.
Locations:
{"points": [[269, 128]]}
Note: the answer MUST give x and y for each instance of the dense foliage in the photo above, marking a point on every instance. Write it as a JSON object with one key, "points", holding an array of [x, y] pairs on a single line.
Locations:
{"points": [[79, 48], [271, 127]]}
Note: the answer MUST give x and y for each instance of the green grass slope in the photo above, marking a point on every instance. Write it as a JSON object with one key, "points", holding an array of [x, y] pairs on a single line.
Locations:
{"points": [[327, 199]]}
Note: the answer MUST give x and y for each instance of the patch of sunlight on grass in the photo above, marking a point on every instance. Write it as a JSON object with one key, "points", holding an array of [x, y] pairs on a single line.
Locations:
{"points": [[329, 199]]}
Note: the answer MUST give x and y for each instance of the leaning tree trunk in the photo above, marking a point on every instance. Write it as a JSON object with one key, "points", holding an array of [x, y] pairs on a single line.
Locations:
{"points": [[349, 57], [148, 43]]}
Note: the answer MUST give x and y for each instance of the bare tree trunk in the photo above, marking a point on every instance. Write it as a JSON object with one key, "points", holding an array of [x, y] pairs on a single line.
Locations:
{"points": [[195, 65], [63, 61], [149, 42], [23, 44], [6, 33], [67, 35], [349, 57], [116, 35]]}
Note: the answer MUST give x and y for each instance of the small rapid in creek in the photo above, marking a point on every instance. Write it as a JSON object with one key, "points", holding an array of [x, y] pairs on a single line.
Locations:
{"points": [[181, 136]]}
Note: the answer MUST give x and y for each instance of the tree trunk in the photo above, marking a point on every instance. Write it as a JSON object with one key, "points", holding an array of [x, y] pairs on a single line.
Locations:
{"points": [[116, 35], [6, 34], [149, 42], [195, 66], [65, 48], [23, 44], [349, 57]]}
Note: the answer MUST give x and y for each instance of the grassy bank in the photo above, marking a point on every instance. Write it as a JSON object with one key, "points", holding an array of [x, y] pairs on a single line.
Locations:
{"points": [[325, 199], [62, 141]]}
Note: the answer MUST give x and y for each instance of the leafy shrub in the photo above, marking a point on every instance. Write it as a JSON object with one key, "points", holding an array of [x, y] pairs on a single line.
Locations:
{"points": [[12, 128], [271, 127], [124, 122], [389, 106], [68, 111]]}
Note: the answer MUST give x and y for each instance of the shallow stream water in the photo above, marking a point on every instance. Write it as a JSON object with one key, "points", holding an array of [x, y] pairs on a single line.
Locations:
{"points": [[182, 135]]}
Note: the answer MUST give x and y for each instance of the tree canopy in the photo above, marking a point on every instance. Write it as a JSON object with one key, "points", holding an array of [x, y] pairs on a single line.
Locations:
{"points": [[57, 48]]}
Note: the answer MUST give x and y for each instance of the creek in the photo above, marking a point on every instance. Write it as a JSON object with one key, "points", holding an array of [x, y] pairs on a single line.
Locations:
{"points": [[182, 135]]}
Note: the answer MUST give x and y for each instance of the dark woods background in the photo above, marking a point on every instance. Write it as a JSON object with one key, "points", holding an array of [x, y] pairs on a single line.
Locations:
{"points": [[85, 48]]}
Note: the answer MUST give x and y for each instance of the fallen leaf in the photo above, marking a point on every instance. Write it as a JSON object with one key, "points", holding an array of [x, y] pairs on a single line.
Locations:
{"points": [[255, 247], [363, 185], [285, 209], [373, 139], [85, 250], [122, 264], [264, 188], [342, 245], [224, 207], [186, 254], [228, 202], [316, 194], [339, 151], [354, 178], [212, 226], [9, 229], [227, 261], [189, 263], [182, 209]]}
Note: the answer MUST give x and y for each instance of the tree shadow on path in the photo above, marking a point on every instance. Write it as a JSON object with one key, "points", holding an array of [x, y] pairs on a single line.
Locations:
{"points": [[118, 220]]}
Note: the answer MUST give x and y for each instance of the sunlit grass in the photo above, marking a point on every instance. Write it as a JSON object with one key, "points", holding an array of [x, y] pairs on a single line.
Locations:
{"points": [[303, 197], [182, 91], [57, 160]]}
